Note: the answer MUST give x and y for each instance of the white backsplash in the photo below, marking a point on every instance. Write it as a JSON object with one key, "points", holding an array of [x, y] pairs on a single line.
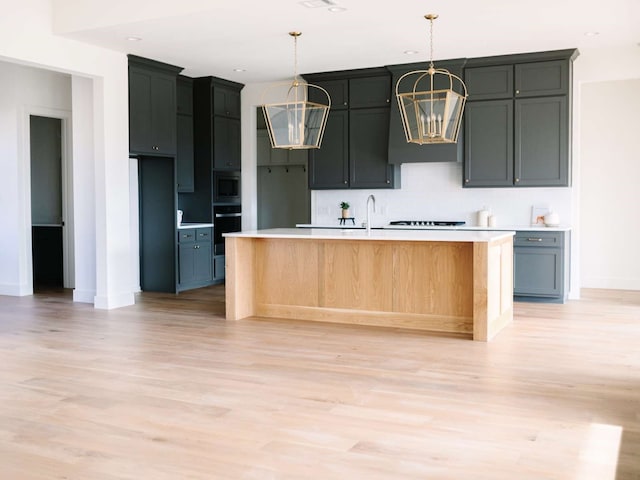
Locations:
{"points": [[433, 191]]}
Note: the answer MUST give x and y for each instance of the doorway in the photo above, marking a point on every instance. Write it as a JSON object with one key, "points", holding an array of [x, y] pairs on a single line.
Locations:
{"points": [[47, 219]]}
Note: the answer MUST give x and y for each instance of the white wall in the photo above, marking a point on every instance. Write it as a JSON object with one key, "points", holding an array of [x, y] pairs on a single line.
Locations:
{"points": [[26, 38], [23, 91], [610, 171], [434, 191]]}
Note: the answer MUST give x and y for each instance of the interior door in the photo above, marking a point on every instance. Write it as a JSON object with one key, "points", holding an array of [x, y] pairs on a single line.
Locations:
{"points": [[46, 201]]}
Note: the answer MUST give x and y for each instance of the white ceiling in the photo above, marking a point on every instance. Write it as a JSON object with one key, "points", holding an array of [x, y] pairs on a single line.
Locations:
{"points": [[214, 37]]}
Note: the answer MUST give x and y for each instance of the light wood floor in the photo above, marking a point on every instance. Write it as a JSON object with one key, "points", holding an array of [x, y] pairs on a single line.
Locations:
{"points": [[166, 389]]}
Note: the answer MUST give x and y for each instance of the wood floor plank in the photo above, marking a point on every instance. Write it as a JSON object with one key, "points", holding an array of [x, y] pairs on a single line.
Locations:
{"points": [[167, 389]]}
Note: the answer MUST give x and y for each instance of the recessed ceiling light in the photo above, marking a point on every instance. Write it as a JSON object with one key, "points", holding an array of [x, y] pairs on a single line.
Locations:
{"points": [[239, 70], [134, 39], [410, 52], [336, 9], [591, 34], [317, 3]]}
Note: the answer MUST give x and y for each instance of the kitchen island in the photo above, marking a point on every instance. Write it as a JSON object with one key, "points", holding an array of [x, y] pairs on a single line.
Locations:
{"points": [[443, 281]]}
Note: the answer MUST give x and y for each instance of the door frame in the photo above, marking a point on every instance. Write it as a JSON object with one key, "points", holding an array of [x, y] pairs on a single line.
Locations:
{"points": [[68, 269]]}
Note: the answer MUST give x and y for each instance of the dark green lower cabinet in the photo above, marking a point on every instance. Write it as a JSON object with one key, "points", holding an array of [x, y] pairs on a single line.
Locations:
{"points": [[218, 268], [541, 266], [194, 258]]}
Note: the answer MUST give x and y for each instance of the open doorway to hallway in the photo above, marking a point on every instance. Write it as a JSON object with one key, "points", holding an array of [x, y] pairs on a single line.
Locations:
{"points": [[47, 218]]}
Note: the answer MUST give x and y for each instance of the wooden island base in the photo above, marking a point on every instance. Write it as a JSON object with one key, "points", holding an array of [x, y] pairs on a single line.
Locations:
{"points": [[457, 287]]}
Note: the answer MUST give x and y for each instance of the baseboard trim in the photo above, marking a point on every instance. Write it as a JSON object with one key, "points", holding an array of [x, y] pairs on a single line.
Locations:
{"points": [[83, 296], [113, 301], [16, 290]]}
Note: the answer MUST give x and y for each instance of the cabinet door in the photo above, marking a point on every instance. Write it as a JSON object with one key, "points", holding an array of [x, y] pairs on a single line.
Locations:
{"points": [[226, 143], [338, 91], [370, 92], [226, 101], [203, 266], [329, 165], [537, 271], [186, 263], [263, 149], [163, 114], [184, 158], [140, 136], [184, 96], [488, 144], [542, 78], [218, 268], [489, 83], [541, 139], [368, 144]]}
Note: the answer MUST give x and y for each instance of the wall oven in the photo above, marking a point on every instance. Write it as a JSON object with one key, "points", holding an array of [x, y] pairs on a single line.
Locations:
{"points": [[226, 218], [226, 187]]}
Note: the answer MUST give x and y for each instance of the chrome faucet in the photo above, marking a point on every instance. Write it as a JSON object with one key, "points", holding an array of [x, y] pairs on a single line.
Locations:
{"points": [[370, 199]]}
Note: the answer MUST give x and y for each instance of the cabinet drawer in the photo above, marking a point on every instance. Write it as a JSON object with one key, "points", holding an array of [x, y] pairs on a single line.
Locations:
{"points": [[204, 234], [538, 239], [187, 235]]}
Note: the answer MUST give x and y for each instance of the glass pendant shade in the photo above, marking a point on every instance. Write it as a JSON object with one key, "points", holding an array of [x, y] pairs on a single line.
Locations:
{"points": [[295, 122], [431, 102], [431, 115]]}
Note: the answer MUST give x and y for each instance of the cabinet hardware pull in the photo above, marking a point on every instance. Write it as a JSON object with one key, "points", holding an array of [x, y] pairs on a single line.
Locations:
{"points": [[388, 181], [534, 239], [345, 182], [517, 180], [517, 92], [466, 180]]}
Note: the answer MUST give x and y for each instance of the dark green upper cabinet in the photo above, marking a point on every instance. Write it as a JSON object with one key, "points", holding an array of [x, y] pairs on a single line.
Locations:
{"points": [[399, 150], [541, 139], [226, 101], [542, 78], [184, 157], [517, 120], [338, 91], [488, 143], [226, 143], [370, 92], [152, 107], [489, 83], [329, 165], [354, 148]]}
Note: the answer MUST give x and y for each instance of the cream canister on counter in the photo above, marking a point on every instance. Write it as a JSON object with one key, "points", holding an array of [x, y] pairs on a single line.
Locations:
{"points": [[492, 221], [483, 217]]}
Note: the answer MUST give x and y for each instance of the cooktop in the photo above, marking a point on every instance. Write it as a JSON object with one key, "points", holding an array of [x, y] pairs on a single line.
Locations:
{"points": [[427, 223]]}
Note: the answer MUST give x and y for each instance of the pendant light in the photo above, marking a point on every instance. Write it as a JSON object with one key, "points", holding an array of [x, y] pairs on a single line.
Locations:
{"points": [[293, 120], [430, 108]]}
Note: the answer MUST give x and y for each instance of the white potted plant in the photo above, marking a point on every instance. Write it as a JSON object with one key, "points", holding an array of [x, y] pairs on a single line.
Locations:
{"points": [[345, 209]]}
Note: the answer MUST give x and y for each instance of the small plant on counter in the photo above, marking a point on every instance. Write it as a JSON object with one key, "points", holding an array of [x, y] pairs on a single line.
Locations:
{"points": [[345, 209]]}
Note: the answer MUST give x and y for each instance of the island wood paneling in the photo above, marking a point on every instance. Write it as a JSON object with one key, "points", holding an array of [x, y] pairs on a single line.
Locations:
{"points": [[419, 285], [357, 275]]}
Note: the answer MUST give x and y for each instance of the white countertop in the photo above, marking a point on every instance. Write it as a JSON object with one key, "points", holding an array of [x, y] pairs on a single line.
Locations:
{"points": [[441, 235], [499, 228], [194, 225]]}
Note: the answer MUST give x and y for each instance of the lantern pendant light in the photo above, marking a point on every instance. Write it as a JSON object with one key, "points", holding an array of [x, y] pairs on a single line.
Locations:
{"points": [[293, 121], [431, 110]]}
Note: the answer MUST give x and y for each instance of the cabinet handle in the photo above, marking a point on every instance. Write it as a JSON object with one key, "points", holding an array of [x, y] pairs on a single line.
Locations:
{"points": [[388, 181], [534, 239], [387, 100], [517, 92], [466, 180], [345, 182], [517, 180], [155, 147], [186, 236]]}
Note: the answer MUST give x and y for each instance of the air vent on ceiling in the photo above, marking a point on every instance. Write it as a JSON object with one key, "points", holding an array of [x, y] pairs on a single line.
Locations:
{"points": [[317, 3]]}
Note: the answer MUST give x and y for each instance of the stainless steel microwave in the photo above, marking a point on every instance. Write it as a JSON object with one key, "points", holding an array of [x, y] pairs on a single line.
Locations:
{"points": [[226, 187]]}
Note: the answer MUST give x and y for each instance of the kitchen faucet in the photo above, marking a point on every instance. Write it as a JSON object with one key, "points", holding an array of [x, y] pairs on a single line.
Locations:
{"points": [[371, 199]]}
